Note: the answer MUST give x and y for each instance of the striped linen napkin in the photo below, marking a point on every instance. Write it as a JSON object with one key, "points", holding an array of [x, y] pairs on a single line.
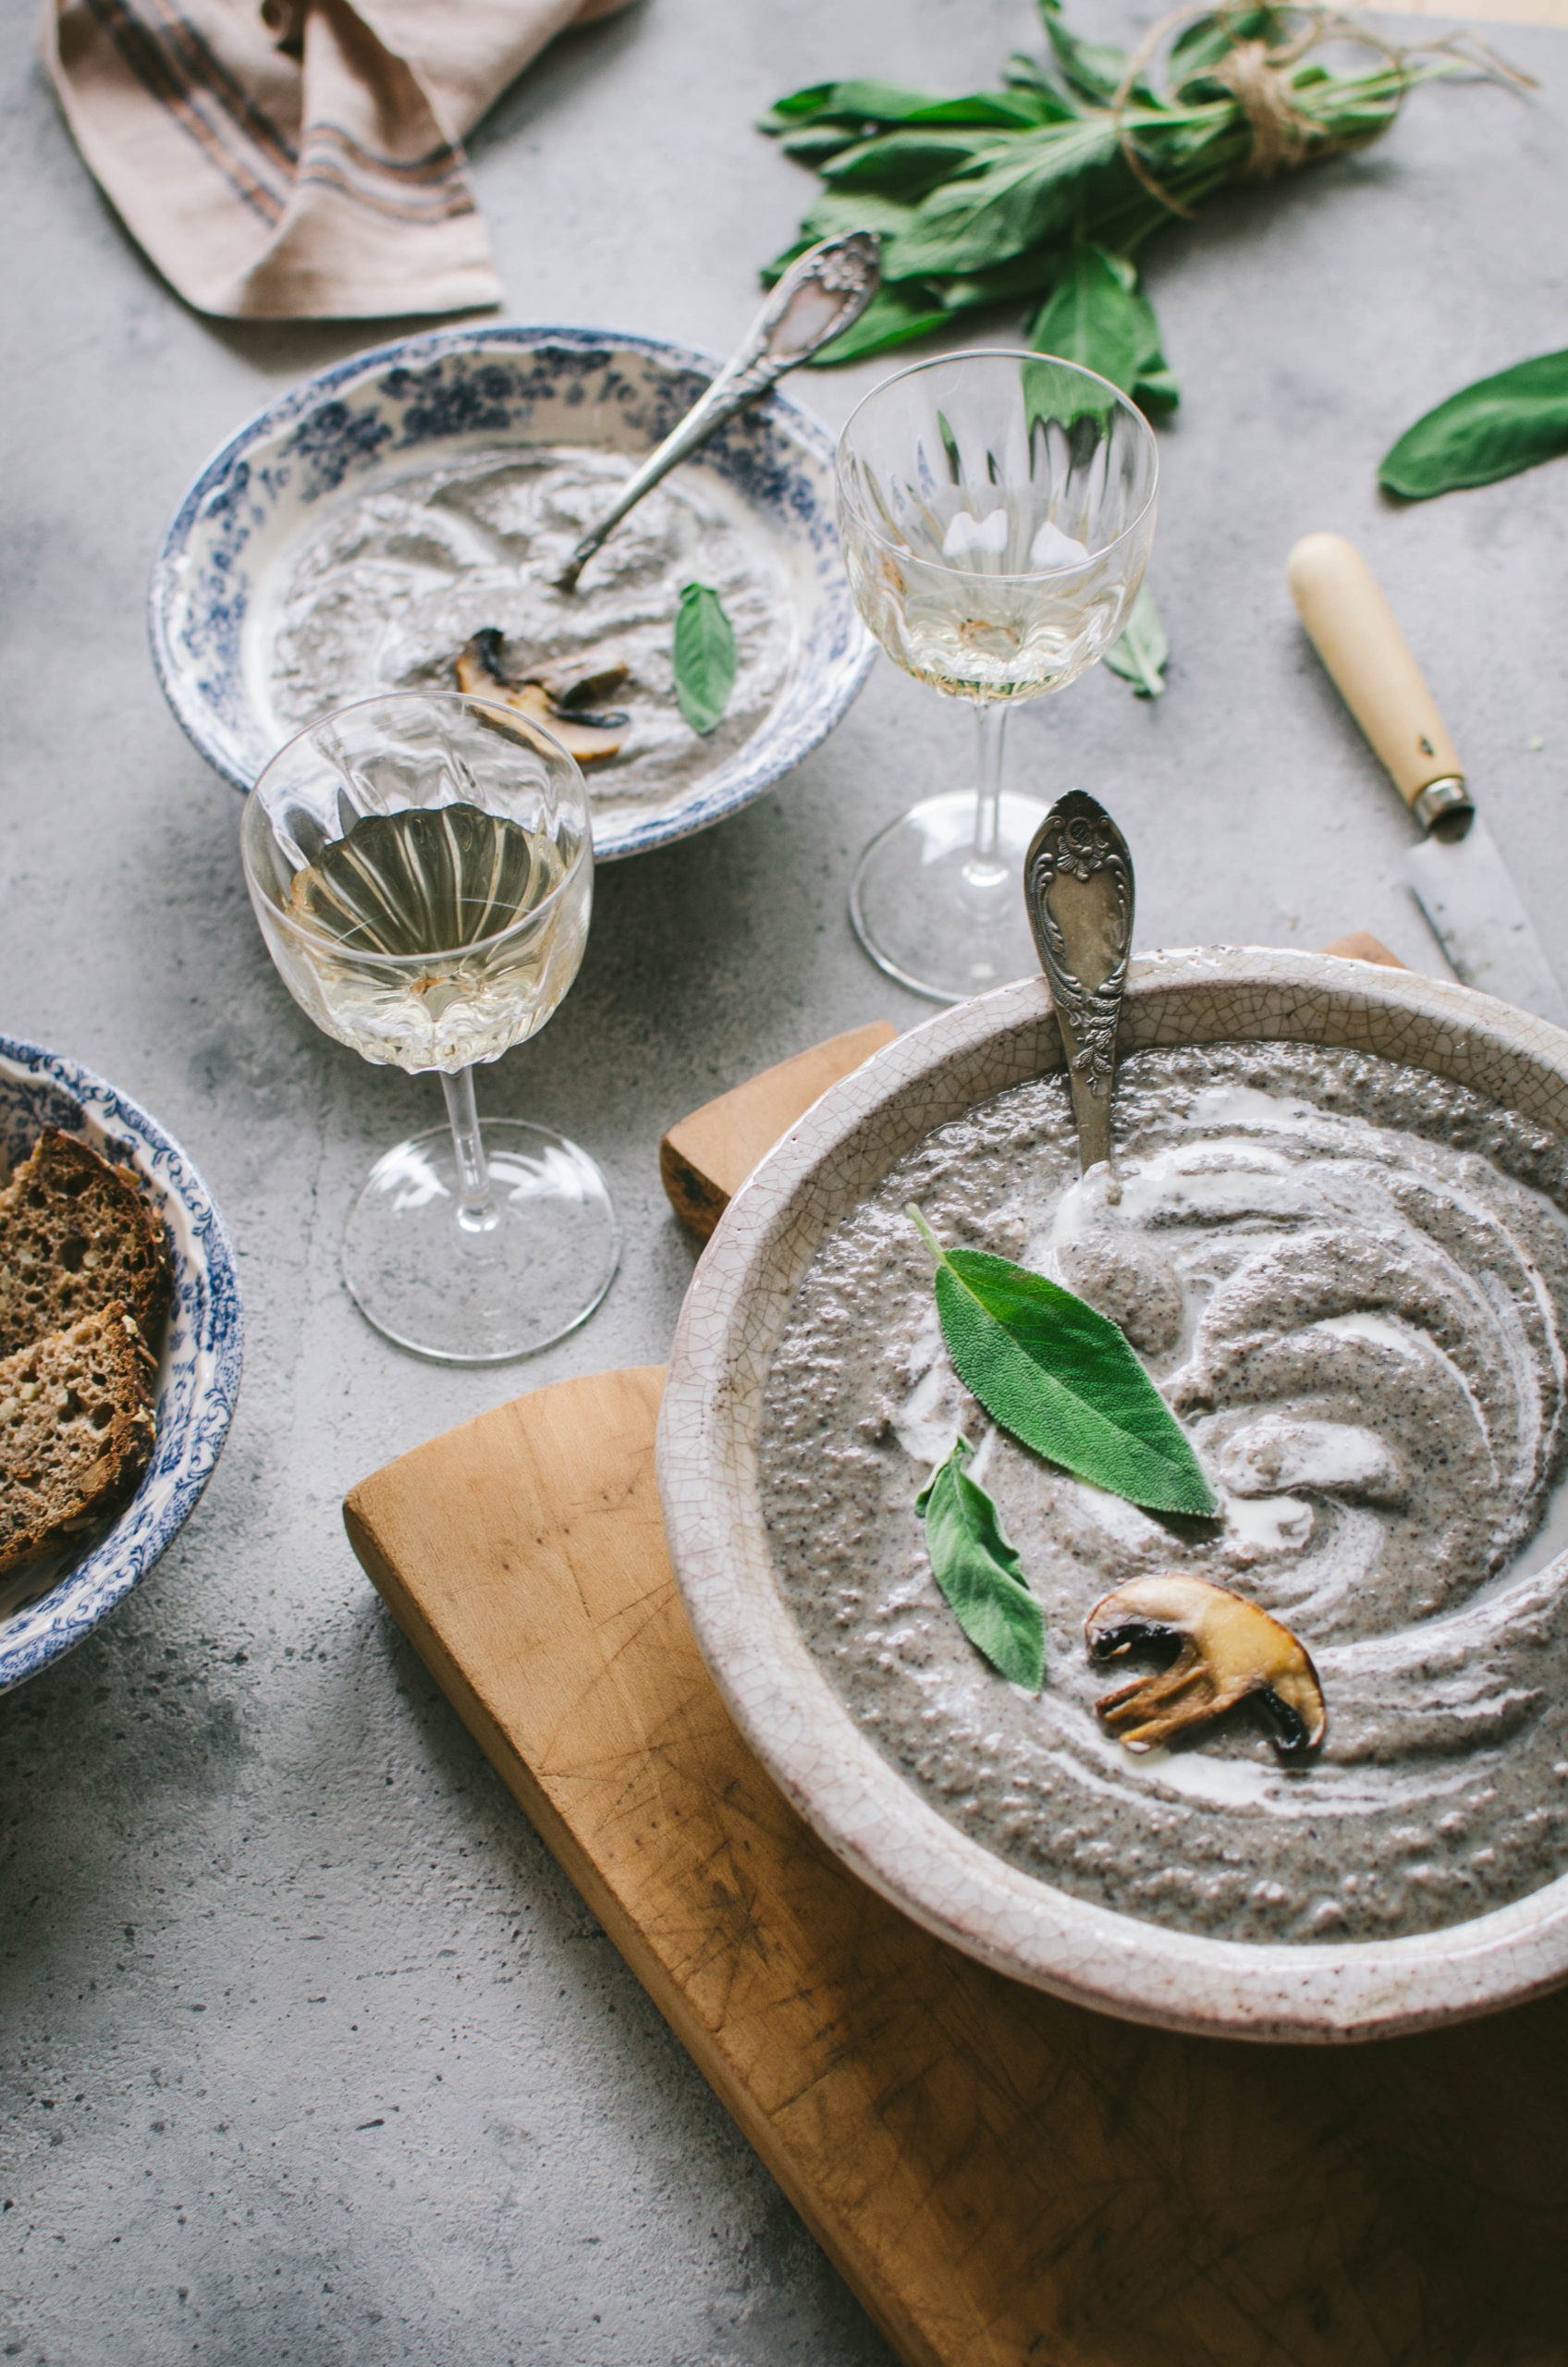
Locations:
{"points": [[301, 159]]}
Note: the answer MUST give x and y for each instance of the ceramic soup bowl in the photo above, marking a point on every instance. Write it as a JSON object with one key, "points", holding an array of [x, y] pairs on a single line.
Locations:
{"points": [[826, 1762], [449, 400]]}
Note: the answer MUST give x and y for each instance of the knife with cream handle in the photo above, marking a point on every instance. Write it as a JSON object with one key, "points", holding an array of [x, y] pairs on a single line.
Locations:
{"points": [[1459, 877]]}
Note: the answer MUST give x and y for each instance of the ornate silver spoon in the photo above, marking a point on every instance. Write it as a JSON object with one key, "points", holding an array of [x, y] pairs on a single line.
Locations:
{"points": [[1078, 886], [820, 294]]}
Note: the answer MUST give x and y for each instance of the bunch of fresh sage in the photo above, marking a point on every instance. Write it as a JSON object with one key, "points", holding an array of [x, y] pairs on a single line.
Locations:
{"points": [[1060, 1377], [1042, 192]]}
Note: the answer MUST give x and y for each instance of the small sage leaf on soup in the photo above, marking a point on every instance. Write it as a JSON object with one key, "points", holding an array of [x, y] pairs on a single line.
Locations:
{"points": [[705, 657], [1061, 1378], [1491, 430], [979, 1573], [1141, 652]]}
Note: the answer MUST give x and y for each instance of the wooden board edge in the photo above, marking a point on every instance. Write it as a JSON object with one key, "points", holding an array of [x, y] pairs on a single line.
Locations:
{"points": [[700, 1198], [881, 2301], [696, 1201], [1360, 945]]}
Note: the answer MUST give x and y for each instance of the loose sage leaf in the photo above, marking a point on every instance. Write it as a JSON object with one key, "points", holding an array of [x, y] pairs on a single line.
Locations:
{"points": [[1141, 652], [705, 657], [1491, 430], [1061, 1378], [1099, 315], [979, 1573]]}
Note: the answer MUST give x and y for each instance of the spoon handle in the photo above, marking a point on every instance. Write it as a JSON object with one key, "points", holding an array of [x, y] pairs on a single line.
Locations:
{"points": [[819, 296], [1078, 885]]}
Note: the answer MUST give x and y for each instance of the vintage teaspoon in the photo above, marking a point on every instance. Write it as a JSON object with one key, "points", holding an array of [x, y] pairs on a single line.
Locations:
{"points": [[820, 294], [1078, 886]]}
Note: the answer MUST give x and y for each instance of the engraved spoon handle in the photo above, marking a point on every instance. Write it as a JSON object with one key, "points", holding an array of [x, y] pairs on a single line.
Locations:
{"points": [[819, 296], [1078, 886]]}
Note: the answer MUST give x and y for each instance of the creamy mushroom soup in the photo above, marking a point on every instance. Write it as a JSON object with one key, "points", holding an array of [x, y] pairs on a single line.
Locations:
{"points": [[1351, 1281], [386, 591]]}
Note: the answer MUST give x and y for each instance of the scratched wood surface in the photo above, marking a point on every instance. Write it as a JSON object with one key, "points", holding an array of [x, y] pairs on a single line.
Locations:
{"points": [[1002, 2178]]}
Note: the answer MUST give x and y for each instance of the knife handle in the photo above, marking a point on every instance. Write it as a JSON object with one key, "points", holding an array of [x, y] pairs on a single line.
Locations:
{"points": [[1353, 631]]}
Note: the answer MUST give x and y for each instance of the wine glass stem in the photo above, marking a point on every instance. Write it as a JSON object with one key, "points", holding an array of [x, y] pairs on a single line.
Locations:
{"points": [[983, 869], [476, 1210]]}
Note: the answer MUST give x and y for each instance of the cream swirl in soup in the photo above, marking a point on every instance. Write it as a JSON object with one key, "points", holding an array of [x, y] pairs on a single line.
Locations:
{"points": [[385, 590], [1351, 1281]]}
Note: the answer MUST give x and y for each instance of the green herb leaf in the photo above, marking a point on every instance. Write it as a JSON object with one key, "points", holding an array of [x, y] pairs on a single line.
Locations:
{"points": [[856, 102], [705, 657], [1010, 110], [1098, 315], [855, 209], [818, 142], [1487, 431], [1031, 189], [979, 1573], [1141, 652], [1061, 1378], [894, 315], [905, 163], [1094, 69]]}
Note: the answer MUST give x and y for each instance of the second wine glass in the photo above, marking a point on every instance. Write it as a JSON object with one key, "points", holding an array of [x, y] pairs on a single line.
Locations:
{"points": [[996, 511], [422, 866]]}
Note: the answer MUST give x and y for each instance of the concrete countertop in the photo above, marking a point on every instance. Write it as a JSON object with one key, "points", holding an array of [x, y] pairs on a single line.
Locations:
{"points": [[308, 2050]]}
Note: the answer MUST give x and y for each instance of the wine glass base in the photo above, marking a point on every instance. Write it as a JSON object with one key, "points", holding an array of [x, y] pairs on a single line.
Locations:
{"points": [[482, 1298], [930, 917]]}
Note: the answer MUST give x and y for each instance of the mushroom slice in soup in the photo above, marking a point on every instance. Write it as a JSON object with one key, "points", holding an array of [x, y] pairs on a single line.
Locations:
{"points": [[1228, 1651]]}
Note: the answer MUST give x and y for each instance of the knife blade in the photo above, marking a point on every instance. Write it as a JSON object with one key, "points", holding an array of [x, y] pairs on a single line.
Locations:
{"points": [[1459, 880]]}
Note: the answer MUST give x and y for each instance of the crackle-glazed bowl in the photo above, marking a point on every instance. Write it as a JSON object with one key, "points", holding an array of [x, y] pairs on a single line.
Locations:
{"points": [[452, 395], [49, 1606], [826, 1764]]}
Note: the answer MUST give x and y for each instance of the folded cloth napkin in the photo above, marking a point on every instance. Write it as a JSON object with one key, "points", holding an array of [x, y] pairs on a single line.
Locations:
{"points": [[301, 159]]}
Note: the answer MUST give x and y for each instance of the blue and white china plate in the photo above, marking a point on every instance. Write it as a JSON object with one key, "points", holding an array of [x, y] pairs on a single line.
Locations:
{"points": [[47, 1608], [452, 396]]}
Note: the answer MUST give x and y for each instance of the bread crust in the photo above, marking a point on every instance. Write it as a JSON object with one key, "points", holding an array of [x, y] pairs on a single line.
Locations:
{"points": [[77, 1234], [76, 1433]]}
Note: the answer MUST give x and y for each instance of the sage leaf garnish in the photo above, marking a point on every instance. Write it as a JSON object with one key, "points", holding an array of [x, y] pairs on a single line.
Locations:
{"points": [[1491, 430], [705, 657], [980, 1574], [1141, 651], [1061, 1378]]}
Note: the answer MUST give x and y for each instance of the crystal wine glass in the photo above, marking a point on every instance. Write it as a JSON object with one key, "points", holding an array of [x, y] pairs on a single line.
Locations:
{"points": [[422, 866], [995, 512]]}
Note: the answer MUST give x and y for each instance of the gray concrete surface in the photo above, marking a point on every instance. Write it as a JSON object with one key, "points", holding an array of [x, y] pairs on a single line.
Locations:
{"points": [[308, 2052]]}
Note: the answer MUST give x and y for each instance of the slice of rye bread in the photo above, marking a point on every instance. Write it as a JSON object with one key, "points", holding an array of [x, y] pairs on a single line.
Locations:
{"points": [[75, 1234], [76, 1433]]}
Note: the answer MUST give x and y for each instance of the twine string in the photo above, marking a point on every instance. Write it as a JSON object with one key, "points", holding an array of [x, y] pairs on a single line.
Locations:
{"points": [[1259, 79]]}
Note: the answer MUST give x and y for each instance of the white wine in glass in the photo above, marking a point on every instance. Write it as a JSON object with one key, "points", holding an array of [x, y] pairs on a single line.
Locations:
{"points": [[995, 512], [422, 866]]}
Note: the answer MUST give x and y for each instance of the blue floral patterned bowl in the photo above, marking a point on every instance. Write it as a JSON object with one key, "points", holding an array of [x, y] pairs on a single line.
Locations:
{"points": [[454, 394], [50, 1606]]}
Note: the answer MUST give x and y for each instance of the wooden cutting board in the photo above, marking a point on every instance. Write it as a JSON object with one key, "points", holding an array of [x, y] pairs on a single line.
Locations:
{"points": [[1001, 2177]]}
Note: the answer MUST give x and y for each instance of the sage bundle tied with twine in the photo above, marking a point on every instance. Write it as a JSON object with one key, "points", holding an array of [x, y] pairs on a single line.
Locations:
{"points": [[1044, 189]]}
